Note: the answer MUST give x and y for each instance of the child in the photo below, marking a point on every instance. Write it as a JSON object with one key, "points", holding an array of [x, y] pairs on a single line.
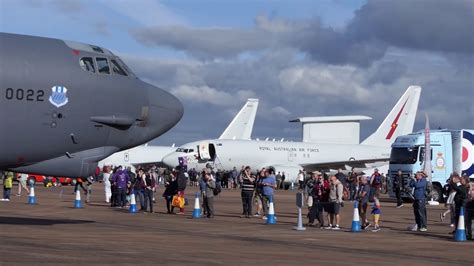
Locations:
{"points": [[89, 182], [376, 214], [7, 185]]}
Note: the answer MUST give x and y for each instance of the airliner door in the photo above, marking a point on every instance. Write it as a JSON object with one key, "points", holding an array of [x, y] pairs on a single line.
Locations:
{"points": [[206, 151]]}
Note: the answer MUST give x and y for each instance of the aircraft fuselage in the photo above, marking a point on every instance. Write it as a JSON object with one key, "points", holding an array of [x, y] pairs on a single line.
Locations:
{"points": [[56, 106]]}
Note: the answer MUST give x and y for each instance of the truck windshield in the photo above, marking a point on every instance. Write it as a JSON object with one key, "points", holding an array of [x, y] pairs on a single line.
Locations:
{"points": [[404, 155]]}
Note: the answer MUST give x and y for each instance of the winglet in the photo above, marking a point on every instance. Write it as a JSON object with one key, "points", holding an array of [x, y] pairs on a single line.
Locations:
{"points": [[399, 121], [242, 125]]}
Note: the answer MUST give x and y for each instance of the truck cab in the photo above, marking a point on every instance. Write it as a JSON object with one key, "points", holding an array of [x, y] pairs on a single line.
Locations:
{"points": [[408, 152]]}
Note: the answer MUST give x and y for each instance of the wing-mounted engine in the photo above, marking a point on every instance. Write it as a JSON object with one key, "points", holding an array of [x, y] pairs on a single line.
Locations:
{"points": [[79, 164], [290, 171]]}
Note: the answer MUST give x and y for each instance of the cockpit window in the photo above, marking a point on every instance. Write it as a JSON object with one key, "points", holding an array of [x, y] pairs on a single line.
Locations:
{"points": [[125, 67], [97, 49], [103, 65], [179, 150], [117, 68], [87, 63]]}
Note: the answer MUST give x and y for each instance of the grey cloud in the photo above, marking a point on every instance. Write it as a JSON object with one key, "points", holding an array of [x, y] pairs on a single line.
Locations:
{"points": [[319, 42], [387, 72], [204, 42], [436, 25], [333, 46]]}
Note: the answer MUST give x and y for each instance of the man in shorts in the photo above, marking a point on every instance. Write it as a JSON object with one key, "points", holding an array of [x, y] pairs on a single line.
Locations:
{"points": [[335, 202]]}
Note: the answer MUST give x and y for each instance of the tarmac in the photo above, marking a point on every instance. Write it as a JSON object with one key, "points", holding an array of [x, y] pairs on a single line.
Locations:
{"points": [[53, 232]]}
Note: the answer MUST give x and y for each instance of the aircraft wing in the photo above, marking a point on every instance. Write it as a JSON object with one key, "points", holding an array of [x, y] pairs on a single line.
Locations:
{"points": [[344, 164]]}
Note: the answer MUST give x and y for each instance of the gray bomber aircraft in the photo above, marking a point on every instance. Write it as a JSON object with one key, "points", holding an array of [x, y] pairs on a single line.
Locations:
{"points": [[67, 105]]}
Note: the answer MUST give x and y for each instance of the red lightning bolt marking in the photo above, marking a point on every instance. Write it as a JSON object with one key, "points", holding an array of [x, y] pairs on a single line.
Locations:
{"points": [[394, 123]]}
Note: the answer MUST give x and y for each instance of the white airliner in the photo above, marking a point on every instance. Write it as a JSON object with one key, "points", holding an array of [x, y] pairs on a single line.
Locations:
{"points": [[328, 143], [239, 128]]}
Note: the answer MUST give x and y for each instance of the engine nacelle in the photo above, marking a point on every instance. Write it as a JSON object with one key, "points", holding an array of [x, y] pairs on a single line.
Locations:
{"points": [[79, 164], [291, 172]]}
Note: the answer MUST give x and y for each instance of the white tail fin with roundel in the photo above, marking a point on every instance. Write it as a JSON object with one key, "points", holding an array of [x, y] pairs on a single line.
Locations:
{"points": [[399, 121]]}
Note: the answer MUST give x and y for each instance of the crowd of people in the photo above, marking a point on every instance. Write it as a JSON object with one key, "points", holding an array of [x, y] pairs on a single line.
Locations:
{"points": [[324, 194]]}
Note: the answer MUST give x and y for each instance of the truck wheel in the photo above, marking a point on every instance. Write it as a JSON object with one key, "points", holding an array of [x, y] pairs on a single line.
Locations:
{"points": [[436, 193]]}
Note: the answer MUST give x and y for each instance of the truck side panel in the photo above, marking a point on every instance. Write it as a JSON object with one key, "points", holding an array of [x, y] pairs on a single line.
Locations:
{"points": [[442, 156]]}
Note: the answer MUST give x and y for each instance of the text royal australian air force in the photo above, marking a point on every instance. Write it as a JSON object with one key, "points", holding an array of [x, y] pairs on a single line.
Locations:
{"points": [[288, 149]]}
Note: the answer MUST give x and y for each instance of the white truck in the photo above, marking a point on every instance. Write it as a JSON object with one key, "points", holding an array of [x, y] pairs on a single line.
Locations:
{"points": [[451, 151]]}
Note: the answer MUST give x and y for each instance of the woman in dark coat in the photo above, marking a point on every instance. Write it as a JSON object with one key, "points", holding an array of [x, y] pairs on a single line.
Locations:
{"points": [[171, 189]]}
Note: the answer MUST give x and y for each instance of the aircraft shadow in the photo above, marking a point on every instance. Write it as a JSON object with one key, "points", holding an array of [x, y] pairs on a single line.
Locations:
{"points": [[38, 221], [423, 234]]}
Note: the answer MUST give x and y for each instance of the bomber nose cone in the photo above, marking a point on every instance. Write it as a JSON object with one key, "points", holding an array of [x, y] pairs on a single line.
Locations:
{"points": [[165, 109]]}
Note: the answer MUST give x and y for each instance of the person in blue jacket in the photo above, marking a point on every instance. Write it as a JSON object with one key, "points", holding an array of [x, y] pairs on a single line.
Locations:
{"points": [[420, 185]]}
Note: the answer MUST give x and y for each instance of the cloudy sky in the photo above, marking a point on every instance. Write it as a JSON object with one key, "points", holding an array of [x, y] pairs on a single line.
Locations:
{"points": [[300, 57]]}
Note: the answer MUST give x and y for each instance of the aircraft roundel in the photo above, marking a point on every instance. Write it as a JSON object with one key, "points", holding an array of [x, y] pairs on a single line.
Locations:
{"points": [[467, 153]]}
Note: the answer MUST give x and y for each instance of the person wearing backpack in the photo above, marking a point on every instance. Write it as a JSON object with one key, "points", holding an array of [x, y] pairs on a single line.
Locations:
{"points": [[375, 185], [171, 188], [182, 180], [208, 193], [420, 185]]}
